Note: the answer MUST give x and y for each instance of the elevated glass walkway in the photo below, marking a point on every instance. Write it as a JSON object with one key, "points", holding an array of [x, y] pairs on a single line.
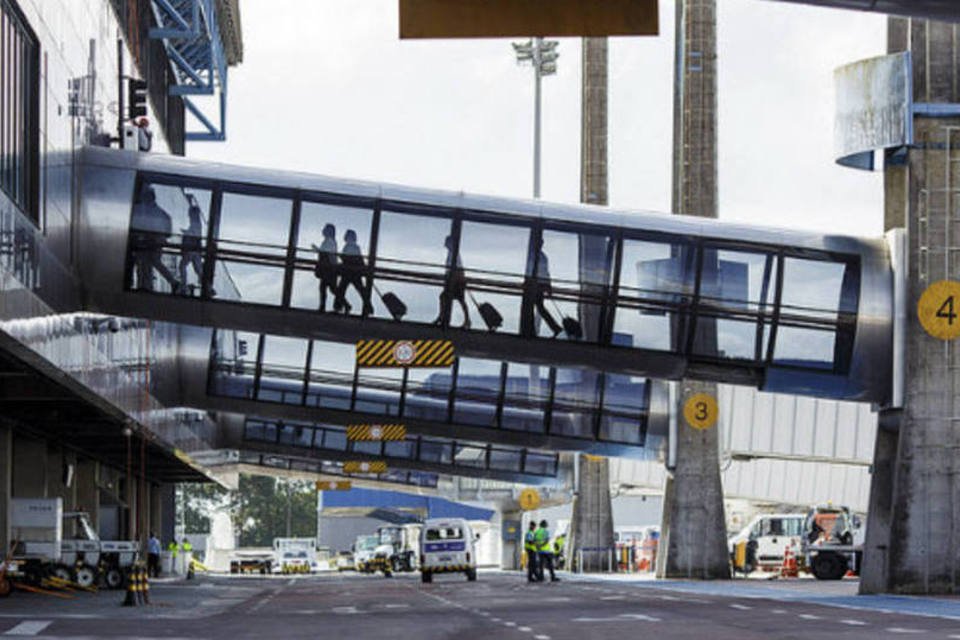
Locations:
{"points": [[479, 400], [413, 453], [508, 280]]}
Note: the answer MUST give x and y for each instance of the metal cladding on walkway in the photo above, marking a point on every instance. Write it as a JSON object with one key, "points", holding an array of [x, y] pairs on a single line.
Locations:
{"points": [[309, 256]]}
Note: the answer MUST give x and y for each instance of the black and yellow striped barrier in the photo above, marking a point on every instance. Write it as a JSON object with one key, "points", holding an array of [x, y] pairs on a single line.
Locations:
{"points": [[372, 466], [334, 485], [404, 353], [365, 432]]}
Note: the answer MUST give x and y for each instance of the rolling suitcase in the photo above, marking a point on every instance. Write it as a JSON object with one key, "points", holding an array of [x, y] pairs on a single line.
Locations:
{"points": [[393, 304], [491, 317], [571, 327]]}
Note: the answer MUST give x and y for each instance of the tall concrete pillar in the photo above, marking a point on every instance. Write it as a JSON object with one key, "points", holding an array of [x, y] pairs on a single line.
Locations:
{"points": [[6, 484], [591, 526], [914, 530], [693, 533], [29, 467], [167, 495]]}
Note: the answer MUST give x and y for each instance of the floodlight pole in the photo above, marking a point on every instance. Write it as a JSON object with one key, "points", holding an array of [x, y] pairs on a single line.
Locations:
{"points": [[538, 43]]}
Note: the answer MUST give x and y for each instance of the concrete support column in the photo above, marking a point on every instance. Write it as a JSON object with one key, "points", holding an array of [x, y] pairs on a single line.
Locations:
{"points": [[591, 527], [156, 510], [693, 542], [87, 481], [921, 528], [29, 468], [6, 484], [167, 506]]}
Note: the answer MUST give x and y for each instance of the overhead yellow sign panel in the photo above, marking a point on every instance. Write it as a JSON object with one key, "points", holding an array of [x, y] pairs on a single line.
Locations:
{"points": [[373, 466], [365, 432], [525, 18], [404, 353], [334, 485]]}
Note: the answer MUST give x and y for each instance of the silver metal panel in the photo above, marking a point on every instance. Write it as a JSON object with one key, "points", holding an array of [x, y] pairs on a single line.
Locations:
{"points": [[897, 239], [873, 108]]}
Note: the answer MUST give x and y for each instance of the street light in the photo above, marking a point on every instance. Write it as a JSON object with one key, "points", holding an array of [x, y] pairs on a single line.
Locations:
{"points": [[542, 56]]}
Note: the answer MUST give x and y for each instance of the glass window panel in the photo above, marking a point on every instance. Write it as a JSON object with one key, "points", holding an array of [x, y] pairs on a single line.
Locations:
{"points": [[624, 409], [428, 391], [378, 391], [400, 448], [297, 435], [331, 375], [811, 289], [540, 463], [259, 430], [478, 386], [494, 259], [436, 451], [167, 227], [656, 278], [252, 245], [281, 379], [234, 361], [575, 403], [808, 348], [412, 260], [505, 459], [573, 273], [323, 234], [368, 448], [525, 398], [334, 439], [471, 456]]}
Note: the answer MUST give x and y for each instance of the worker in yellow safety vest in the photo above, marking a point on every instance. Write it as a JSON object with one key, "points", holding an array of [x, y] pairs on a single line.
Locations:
{"points": [[187, 549], [530, 546], [544, 550]]}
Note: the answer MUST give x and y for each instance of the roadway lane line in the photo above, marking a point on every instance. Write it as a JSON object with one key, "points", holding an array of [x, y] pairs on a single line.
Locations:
{"points": [[903, 630], [809, 616], [741, 607], [541, 637], [29, 628], [524, 629], [860, 623]]}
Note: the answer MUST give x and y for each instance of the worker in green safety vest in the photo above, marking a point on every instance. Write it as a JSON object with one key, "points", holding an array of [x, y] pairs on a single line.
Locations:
{"points": [[533, 560], [559, 545], [544, 550], [187, 549]]}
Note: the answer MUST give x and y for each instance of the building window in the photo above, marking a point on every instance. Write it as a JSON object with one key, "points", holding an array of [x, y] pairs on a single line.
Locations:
{"points": [[19, 109]]}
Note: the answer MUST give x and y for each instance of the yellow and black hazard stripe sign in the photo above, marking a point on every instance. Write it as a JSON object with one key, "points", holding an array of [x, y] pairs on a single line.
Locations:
{"points": [[404, 353], [376, 432], [372, 466], [334, 485]]}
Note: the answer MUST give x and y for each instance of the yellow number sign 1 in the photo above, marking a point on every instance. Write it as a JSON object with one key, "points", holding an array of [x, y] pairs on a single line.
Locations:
{"points": [[701, 411], [939, 309]]}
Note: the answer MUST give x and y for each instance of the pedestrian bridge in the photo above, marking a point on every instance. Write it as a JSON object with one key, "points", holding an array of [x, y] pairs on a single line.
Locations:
{"points": [[516, 281]]}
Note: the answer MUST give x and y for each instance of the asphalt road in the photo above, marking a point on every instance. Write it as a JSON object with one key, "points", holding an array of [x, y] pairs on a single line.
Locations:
{"points": [[498, 605]]}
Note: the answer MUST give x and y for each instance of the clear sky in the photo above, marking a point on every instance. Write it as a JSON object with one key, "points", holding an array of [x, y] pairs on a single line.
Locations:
{"points": [[327, 87]]}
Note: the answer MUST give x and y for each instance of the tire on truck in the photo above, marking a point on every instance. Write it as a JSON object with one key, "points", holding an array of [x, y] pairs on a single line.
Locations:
{"points": [[829, 566]]}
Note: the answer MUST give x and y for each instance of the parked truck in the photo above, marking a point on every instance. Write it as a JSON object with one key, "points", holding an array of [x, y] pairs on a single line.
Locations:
{"points": [[364, 550], [398, 549], [40, 548], [295, 555], [829, 548], [761, 545]]}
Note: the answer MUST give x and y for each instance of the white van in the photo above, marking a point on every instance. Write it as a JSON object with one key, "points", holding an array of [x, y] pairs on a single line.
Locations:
{"points": [[762, 543], [447, 545]]}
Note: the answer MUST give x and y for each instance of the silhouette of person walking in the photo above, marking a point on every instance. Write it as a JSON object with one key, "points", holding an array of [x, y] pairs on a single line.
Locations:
{"points": [[151, 226], [191, 247], [454, 290], [326, 267], [351, 273], [538, 287]]}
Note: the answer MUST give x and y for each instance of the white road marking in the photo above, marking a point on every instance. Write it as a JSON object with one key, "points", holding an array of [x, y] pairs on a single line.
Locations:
{"points": [[524, 629], [29, 628], [620, 618], [613, 597], [741, 607], [808, 616], [542, 637], [778, 611], [860, 623], [902, 630], [510, 624], [496, 620], [393, 605], [290, 582], [346, 610]]}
